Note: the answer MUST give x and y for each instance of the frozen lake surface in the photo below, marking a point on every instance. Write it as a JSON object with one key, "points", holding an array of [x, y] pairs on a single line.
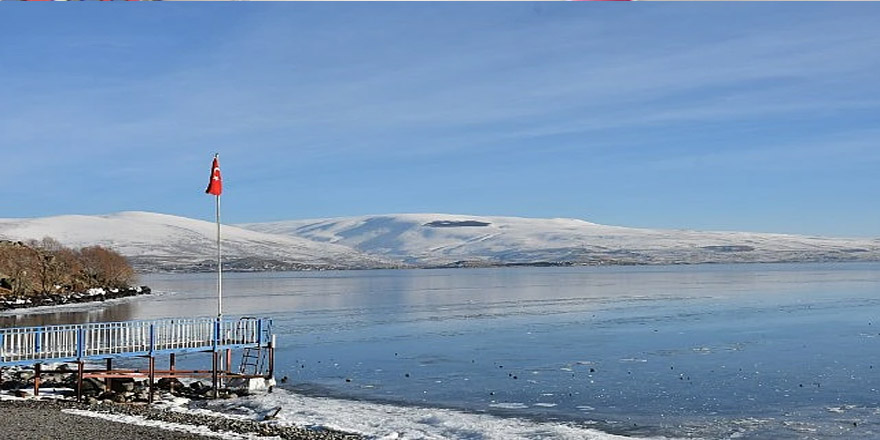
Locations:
{"points": [[743, 351]]}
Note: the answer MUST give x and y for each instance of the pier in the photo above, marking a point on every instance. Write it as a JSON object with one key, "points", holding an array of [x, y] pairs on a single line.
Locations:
{"points": [[94, 342]]}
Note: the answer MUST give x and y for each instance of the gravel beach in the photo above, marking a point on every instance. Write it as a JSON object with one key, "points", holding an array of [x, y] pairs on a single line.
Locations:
{"points": [[33, 420], [45, 420]]}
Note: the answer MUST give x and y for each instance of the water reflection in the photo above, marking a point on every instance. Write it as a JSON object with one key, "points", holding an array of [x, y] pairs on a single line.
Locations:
{"points": [[431, 294], [93, 313]]}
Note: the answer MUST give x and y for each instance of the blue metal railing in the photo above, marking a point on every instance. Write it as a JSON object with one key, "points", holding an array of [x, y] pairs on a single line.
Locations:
{"points": [[23, 345]]}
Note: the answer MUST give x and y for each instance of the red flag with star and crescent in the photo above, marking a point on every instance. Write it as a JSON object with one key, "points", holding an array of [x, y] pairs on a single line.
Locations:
{"points": [[215, 187]]}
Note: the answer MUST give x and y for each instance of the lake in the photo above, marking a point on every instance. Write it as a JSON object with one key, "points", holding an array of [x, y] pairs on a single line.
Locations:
{"points": [[712, 351]]}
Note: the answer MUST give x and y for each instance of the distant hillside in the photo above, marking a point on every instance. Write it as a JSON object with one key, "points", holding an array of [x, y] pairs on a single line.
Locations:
{"points": [[170, 243], [467, 240], [158, 242]]}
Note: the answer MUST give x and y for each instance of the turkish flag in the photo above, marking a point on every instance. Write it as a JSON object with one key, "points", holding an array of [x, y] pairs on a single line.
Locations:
{"points": [[216, 185]]}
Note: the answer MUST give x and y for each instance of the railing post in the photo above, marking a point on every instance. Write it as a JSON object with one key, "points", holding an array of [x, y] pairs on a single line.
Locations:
{"points": [[260, 332], [80, 344], [152, 338], [214, 358], [37, 333], [216, 334]]}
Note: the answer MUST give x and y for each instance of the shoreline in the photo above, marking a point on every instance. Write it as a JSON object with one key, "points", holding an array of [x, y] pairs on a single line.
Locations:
{"points": [[36, 303], [37, 419]]}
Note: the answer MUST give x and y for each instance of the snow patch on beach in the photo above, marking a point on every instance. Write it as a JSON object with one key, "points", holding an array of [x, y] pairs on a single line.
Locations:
{"points": [[385, 421]]}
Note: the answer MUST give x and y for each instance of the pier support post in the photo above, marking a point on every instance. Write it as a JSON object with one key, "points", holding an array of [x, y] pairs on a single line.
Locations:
{"points": [[151, 378], [107, 385], [215, 358], [272, 357], [171, 361], [37, 368], [80, 366]]}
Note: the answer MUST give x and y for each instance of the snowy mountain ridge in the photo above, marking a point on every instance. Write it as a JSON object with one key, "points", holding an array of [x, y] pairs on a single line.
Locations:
{"points": [[161, 242], [164, 242], [467, 240]]}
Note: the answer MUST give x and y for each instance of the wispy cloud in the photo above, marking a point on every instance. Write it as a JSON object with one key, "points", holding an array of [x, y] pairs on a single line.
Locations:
{"points": [[308, 86]]}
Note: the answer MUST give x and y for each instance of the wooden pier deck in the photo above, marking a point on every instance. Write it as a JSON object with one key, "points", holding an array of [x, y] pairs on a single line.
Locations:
{"points": [[106, 340]]}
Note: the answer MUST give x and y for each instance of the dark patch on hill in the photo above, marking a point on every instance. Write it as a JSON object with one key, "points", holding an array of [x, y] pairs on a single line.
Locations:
{"points": [[729, 248], [456, 224]]}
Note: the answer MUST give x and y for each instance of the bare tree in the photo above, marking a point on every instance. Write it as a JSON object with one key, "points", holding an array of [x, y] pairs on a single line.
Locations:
{"points": [[20, 266], [102, 267], [47, 266], [59, 265]]}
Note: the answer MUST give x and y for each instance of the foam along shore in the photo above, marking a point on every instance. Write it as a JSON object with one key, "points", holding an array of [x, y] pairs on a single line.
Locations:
{"points": [[288, 415], [97, 294]]}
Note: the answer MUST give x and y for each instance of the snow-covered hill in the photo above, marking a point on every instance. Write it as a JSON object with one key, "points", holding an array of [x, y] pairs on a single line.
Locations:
{"points": [[451, 240], [165, 242]]}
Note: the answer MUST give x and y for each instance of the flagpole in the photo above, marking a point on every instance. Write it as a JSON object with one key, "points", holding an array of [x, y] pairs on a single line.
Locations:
{"points": [[215, 187], [219, 260], [219, 267]]}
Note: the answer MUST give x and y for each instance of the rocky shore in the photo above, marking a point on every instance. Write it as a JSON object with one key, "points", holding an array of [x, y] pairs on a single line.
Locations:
{"points": [[40, 419], [127, 398], [9, 302]]}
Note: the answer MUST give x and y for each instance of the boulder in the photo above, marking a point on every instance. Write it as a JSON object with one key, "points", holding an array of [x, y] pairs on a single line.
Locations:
{"points": [[123, 385], [169, 383], [92, 387], [13, 385]]}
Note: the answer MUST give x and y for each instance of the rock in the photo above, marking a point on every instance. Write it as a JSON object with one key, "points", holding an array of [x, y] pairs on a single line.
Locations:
{"points": [[124, 385], [169, 383], [13, 385], [92, 387]]}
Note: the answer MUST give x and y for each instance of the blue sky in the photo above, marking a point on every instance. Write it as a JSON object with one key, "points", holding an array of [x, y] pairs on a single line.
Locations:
{"points": [[716, 116]]}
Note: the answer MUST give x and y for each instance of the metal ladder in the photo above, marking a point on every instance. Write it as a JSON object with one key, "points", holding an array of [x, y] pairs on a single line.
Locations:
{"points": [[252, 358], [251, 361]]}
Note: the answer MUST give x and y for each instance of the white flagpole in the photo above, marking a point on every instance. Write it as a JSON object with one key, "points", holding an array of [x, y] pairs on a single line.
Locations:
{"points": [[219, 261], [219, 267]]}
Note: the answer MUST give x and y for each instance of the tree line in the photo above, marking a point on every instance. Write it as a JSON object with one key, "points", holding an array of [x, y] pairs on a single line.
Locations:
{"points": [[46, 266]]}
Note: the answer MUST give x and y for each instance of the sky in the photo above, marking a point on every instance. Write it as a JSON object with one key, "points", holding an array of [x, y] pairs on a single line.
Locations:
{"points": [[712, 116]]}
